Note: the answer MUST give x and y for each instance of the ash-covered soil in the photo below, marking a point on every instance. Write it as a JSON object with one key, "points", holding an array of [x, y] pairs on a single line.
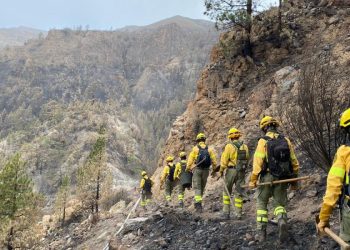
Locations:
{"points": [[176, 228], [161, 227]]}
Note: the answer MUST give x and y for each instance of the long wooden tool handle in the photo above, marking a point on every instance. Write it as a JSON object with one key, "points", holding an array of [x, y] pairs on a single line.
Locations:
{"points": [[335, 237], [280, 181], [228, 193], [198, 164]]}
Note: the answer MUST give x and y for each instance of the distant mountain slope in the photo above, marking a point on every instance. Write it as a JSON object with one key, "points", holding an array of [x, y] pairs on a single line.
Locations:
{"points": [[18, 36], [183, 22], [56, 91]]}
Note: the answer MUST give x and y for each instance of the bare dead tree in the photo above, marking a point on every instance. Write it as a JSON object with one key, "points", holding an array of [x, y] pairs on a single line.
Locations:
{"points": [[313, 121]]}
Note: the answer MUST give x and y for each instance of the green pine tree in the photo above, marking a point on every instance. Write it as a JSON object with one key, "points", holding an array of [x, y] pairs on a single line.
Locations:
{"points": [[92, 175], [19, 205], [233, 13]]}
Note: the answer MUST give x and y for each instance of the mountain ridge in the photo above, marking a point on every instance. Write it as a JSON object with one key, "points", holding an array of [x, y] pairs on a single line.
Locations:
{"points": [[53, 87], [17, 36]]}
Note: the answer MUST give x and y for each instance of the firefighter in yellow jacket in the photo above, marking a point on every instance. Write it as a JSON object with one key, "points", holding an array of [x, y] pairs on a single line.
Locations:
{"points": [[146, 189], [179, 170], [274, 159], [234, 160], [168, 178], [199, 162], [338, 177]]}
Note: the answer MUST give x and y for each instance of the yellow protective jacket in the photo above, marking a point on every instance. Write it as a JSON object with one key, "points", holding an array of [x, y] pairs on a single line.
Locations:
{"points": [[142, 183], [166, 172], [261, 154], [229, 156], [191, 163], [178, 169], [335, 181]]}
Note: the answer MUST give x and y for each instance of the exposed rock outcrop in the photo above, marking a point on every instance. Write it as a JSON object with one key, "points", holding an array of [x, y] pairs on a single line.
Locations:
{"points": [[266, 84]]}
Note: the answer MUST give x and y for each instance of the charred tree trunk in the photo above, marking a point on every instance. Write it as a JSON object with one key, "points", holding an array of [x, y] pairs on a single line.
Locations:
{"points": [[64, 210], [247, 46], [280, 16], [97, 192], [9, 243]]}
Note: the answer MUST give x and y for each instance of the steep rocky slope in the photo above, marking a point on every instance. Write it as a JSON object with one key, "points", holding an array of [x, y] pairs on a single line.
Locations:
{"points": [[56, 92], [234, 90]]}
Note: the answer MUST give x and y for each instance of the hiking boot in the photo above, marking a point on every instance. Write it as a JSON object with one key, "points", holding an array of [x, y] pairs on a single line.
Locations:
{"points": [[198, 207], [282, 230], [260, 235]]}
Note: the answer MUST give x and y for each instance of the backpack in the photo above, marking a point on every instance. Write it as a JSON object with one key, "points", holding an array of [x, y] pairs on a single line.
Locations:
{"points": [[183, 166], [278, 157], [242, 155], [203, 160], [185, 177], [148, 185], [171, 172]]}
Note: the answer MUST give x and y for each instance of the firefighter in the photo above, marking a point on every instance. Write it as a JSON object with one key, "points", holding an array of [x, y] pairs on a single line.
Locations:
{"points": [[199, 162], [274, 159], [338, 178], [234, 160]]}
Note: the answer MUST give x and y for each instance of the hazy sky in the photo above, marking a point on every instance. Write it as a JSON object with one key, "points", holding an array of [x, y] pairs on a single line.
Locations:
{"points": [[97, 14]]}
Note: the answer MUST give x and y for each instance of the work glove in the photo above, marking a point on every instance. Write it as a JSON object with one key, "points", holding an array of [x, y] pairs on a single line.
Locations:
{"points": [[321, 226], [253, 181], [326, 211], [252, 185]]}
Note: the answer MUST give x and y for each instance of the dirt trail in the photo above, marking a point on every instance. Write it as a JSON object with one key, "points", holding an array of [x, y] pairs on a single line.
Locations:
{"points": [[170, 227], [175, 228]]}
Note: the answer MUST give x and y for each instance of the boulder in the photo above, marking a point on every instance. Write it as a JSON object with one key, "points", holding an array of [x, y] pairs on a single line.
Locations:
{"points": [[286, 77], [333, 20], [118, 207]]}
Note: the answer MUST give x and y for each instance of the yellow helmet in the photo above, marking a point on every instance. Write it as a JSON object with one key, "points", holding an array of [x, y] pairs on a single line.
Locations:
{"points": [[233, 133], [201, 136], [143, 173], [267, 120], [170, 158], [345, 119], [182, 154]]}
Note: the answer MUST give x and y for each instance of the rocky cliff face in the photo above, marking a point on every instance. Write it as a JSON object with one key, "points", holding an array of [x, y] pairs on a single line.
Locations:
{"points": [[234, 90], [56, 92]]}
